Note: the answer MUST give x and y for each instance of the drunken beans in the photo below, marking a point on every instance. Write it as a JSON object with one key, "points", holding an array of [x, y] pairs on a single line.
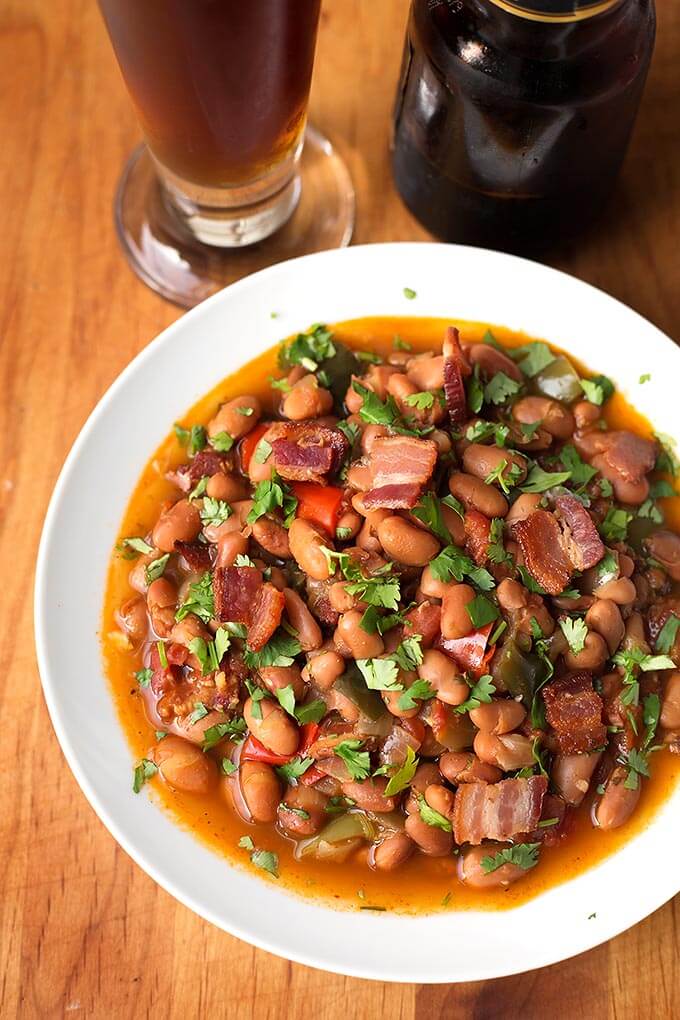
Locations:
{"points": [[380, 619]]}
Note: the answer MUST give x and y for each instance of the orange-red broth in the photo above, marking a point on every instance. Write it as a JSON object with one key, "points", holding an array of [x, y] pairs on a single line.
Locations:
{"points": [[421, 884]]}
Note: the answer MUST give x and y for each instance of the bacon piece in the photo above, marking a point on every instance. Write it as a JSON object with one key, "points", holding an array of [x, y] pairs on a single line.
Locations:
{"points": [[539, 537], [425, 620], [234, 592], [470, 653], [580, 539], [307, 451], [574, 710], [401, 467], [318, 600], [550, 835], [265, 616], [497, 810], [455, 367], [196, 554], [477, 535], [205, 464], [630, 455]]}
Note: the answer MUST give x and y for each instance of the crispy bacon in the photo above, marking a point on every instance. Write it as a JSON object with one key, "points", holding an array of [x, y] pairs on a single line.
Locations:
{"points": [[630, 455], [455, 368], [477, 535], [497, 810], [318, 600], [580, 539], [234, 592], [539, 537], [196, 554], [307, 451], [265, 616], [574, 710], [401, 467], [205, 464]]}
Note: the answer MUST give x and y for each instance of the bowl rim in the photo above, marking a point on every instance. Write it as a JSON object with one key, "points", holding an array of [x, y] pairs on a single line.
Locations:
{"points": [[545, 953]]}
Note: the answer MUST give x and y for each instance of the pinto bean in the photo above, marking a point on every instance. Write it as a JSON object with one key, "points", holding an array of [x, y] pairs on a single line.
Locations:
{"points": [[523, 507], [482, 460], [426, 775], [179, 523], [604, 616], [324, 669], [370, 795], [225, 487], [430, 840], [309, 632], [184, 766], [349, 525], [632, 493], [585, 414], [273, 537], [444, 677], [507, 751], [305, 799], [161, 600], [621, 591], [465, 767], [426, 372], [571, 775], [617, 802], [405, 543], [369, 436], [440, 799], [307, 400], [236, 522], [401, 387], [391, 852], [471, 872], [499, 716], [231, 545], [553, 416], [670, 704], [472, 491], [276, 678], [188, 629], [132, 619], [511, 595], [592, 656], [261, 790], [454, 524], [441, 440], [231, 419], [455, 621], [306, 541], [195, 731], [491, 360], [368, 536], [664, 546], [361, 644], [635, 634], [275, 729], [359, 477], [430, 586]]}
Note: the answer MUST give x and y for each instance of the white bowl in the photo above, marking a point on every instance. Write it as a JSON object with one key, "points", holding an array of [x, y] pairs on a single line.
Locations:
{"points": [[81, 526]]}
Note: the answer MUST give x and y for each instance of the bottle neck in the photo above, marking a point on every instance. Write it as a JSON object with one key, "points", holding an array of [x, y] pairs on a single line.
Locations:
{"points": [[557, 11]]}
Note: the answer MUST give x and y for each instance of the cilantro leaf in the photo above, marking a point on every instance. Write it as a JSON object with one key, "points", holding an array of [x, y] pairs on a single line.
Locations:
{"points": [[667, 460], [429, 512], [194, 438], [280, 650], [539, 480], [156, 568], [292, 770], [270, 495], [481, 611], [199, 600], [576, 632], [373, 409], [380, 674], [536, 357], [421, 401], [138, 545], [581, 473], [524, 855], [266, 861], [222, 442], [499, 388], [430, 816], [246, 843], [480, 693], [143, 771], [667, 635], [308, 349], [400, 779], [143, 676], [215, 511], [409, 654], [475, 392], [358, 762], [235, 729], [409, 293], [614, 527], [420, 690]]}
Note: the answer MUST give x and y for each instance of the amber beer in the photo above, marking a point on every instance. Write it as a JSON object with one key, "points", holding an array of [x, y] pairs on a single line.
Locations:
{"points": [[220, 86]]}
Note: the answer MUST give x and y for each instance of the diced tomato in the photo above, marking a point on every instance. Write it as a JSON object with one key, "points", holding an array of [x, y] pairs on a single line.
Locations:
{"points": [[470, 652], [477, 535], [319, 504], [249, 442], [416, 727], [311, 776], [308, 734]]}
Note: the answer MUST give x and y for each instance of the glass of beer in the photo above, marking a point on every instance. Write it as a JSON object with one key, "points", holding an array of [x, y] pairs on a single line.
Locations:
{"points": [[231, 177]]}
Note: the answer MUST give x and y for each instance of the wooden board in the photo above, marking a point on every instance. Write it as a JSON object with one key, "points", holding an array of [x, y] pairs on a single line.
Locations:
{"points": [[83, 931]]}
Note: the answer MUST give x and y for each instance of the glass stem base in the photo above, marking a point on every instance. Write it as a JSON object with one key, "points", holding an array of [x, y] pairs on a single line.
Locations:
{"points": [[188, 248]]}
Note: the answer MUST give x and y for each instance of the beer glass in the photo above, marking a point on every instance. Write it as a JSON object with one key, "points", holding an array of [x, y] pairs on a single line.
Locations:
{"points": [[231, 178]]}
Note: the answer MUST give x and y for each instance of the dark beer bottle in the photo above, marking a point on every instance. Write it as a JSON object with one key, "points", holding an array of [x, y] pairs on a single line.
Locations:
{"points": [[512, 117]]}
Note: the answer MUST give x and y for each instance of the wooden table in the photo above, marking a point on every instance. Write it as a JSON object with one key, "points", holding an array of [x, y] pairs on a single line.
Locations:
{"points": [[84, 931]]}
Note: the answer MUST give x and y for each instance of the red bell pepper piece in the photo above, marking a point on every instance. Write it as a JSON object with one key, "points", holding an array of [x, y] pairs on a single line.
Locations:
{"points": [[470, 652], [249, 443], [319, 504]]}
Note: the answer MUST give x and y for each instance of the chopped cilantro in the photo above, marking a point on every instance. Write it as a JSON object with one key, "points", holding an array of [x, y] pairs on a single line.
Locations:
{"points": [[535, 357], [421, 401], [581, 473], [234, 729], [429, 512], [481, 692], [199, 600], [292, 770], [614, 527], [524, 855], [270, 495], [645, 377], [420, 690], [215, 511], [143, 771], [400, 779], [499, 388], [409, 293], [667, 460], [373, 410], [222, 442], [156, 568], [246, 843], [667, 635], [431, 817], [143, 676], [358, 762], [481, 611], [266, 861], [308, 349], [576, 632], [280, 650], [194, 438], [400, 345], [138, 545], [539, 480]]}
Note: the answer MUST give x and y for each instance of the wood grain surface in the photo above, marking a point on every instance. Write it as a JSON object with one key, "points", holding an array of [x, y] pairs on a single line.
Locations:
{"points": [[82, 930]]}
